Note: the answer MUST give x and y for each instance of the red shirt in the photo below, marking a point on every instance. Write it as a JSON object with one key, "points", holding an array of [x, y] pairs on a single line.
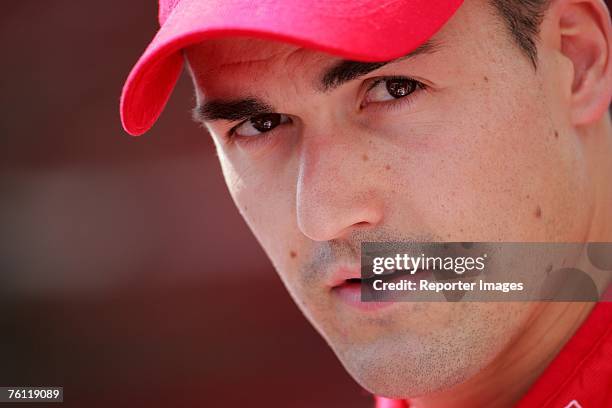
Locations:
{"points": [[579, 377]]}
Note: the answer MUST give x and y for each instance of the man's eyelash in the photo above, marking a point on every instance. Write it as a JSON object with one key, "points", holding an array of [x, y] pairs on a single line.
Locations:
{"points": [[232, 131], [379, 80], [399, 103]]}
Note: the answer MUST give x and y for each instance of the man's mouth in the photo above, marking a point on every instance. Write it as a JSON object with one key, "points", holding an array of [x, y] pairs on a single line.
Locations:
{"points": [[389, 276], [348, 286]]}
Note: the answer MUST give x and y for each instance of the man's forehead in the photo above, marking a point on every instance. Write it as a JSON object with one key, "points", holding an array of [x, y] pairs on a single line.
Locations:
{"points": [[230, 52]]}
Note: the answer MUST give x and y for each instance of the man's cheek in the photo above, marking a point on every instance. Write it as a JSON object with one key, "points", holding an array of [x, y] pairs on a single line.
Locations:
{"points": [[246, 185], [267, 209]]}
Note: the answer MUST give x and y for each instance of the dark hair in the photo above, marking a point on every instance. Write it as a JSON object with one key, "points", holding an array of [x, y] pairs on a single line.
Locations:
{"points": [[523, 19]]}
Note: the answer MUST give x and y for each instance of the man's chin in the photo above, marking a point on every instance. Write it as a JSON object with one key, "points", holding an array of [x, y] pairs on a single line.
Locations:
{"points": [[397, 369]]}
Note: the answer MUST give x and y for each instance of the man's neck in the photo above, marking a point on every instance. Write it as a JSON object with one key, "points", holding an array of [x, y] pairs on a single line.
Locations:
{"points": [[513, 372]]}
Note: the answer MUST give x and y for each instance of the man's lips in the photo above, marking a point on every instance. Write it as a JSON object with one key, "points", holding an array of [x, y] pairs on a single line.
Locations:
{"points": [[348, 285], [343, 275], [352, 275]]}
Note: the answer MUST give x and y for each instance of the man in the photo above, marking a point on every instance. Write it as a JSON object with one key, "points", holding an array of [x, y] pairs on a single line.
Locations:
{"points": [[343, 122]]}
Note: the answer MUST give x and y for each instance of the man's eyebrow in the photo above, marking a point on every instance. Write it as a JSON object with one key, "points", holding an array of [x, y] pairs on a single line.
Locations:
{"points": [[347, 70], [232, 110]]}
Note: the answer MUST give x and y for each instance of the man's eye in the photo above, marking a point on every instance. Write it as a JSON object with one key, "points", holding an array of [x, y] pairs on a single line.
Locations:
{"points": [[260, 124], [386, 89]]}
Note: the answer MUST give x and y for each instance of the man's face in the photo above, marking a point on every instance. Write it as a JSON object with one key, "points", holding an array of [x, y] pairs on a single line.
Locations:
{"points": [[476, 148]]}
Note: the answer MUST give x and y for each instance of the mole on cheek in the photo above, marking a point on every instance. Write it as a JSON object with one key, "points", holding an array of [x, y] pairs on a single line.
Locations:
{"points": [[486, 78], [387, 167], [538, 212], [556, 134], [364, 157], [292, 254]]}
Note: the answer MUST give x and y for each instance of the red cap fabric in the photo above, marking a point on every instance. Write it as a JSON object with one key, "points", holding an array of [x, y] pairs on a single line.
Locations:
{"points": [[364, 30]]}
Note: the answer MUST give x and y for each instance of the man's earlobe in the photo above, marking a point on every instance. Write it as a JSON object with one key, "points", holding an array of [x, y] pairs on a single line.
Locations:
{"points": [[586, 40]]}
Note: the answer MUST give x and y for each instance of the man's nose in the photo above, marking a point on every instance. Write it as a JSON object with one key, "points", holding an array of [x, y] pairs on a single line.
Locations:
{"points": [[337, 191]]}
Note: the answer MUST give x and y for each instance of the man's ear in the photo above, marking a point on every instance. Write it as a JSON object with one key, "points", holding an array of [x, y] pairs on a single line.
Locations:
{"points": [[584, 37]]}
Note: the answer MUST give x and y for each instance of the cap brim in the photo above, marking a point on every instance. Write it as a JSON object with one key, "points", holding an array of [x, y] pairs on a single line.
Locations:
{"points": [[351, 29]]}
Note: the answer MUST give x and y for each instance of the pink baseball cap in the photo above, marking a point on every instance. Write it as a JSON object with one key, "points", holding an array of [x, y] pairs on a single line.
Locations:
{"points": [[363, 30]]}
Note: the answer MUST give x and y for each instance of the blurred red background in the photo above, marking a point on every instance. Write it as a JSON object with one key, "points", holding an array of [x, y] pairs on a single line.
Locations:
{"points": [[126, 274]]}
